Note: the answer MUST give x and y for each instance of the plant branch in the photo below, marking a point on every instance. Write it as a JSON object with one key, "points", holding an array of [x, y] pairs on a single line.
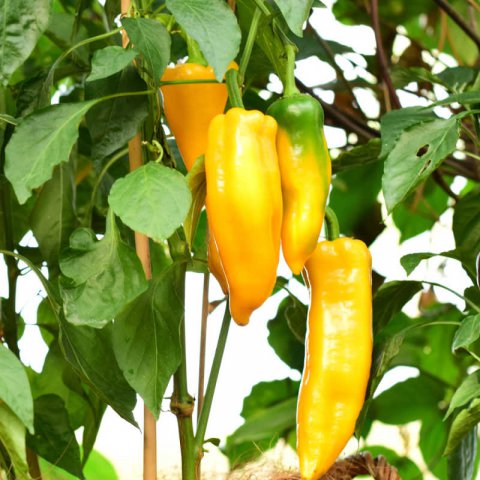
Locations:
{"points": [[382, 58], [440, 181], [454, 15], [338, 71], [203, 341], [212, 382]]}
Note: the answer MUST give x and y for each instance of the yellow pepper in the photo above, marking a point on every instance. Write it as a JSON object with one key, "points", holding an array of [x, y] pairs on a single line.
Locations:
{"points": [[338, 352], [215, 264], [190, 107], [244, 205]]}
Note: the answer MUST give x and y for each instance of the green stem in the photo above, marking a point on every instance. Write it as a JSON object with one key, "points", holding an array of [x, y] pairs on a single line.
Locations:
{"points": [[98, 181], [49, 80], [331, 224], [290, 87], [212, 382], [247, 51], [182, 403], [472, 155], [465, 299], [195, 55], [233, 89]]}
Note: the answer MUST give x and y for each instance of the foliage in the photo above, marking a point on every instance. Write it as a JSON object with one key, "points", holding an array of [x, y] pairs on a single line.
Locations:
{"points": [[70, 101]]}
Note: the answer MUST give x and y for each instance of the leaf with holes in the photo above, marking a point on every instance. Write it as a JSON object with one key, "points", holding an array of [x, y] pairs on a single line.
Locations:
{"points": [[417, 153]]}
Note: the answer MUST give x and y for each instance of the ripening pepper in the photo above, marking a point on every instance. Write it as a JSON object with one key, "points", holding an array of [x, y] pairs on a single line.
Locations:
{"points": [[338, 352], [215, 264], [305, 170], [244, 205], [189, 108]]}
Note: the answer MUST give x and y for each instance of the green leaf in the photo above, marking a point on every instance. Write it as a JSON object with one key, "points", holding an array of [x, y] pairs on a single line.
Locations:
{"points": [[463, 98], [152, 40], [214, 26], [465, 393], [12, 438], [269, 413], [90, 352], [395, 122], [407, 401], [363, 154], [113, 122], [467, 333], [411, 261], [466, 419], [41, 141], [417, 153], [296, 13], [281, 337], [54, 438], [53, 216], [420, 210], [21, 24], [146, 337], [103, 276], [390, 299], [153, 200], [110, 60], [14, 388], [461, 462]]}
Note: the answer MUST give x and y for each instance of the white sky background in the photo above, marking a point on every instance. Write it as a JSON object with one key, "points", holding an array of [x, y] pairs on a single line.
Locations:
{"points": [[248, 357]]}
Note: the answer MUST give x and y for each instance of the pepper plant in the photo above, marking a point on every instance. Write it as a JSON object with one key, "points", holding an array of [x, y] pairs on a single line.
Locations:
{"points": [[90, 169]]}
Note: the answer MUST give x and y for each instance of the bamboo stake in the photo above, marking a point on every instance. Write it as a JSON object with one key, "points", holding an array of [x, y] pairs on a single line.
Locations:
{"points": [[143, 251]]}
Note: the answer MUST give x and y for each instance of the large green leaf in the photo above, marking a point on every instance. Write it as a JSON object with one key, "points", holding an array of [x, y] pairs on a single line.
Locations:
{"points": [[214, 26], [41, 141], [21, 24], [462, 424], [363, 154], [461, 462], [103, 276], [53, 216], [110, 60], [152, 40], [113, 122], [90, 352], [466, 392], [296, 13], [281, 337], [153, 200], [468, 332], [269, 413], [12, 438], [417, 153], [14, 387], [54, 438], [146, 337]]}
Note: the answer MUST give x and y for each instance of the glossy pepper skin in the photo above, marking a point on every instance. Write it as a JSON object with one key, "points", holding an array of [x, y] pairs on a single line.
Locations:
{"points": [[305, 169], [244, 205], [189, 108], [338, 352]]}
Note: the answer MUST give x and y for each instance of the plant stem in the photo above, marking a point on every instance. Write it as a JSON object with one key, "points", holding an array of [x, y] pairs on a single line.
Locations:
{"points": [[465, 299], [182, 405], [203, 341], [382, 58], [290, 87], [212, 382], [331, 224], [453, 14], [247, 51], [233, 90], [195, 55]]}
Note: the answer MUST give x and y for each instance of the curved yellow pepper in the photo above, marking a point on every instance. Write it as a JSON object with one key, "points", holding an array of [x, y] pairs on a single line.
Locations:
{"points": [[215, 264], [244, 205], [338, 352]]}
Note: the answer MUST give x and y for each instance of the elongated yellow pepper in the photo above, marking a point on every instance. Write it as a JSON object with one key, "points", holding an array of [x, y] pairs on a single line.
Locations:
{"points": [[338, 352], [244, 205]]}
